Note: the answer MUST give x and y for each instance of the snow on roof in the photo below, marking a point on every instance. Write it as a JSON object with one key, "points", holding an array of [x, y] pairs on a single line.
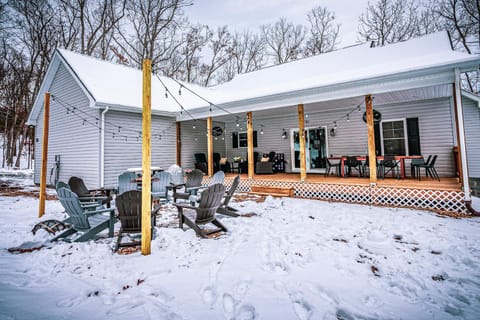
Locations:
{"points": [[114, 84], [343, 66]]}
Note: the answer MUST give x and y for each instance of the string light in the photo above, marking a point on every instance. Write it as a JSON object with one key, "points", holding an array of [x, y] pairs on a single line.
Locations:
{"points": [[261, 130], [348, 117], [194, 126], [166, 93], [180, 90]]}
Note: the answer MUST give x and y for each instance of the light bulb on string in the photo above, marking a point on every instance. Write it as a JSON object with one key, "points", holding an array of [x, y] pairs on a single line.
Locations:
{"points": [[84, 121], [166, 94], [210, 107], [194, 126], [180, 90], [261, 130], [359, 109], [348, 117], [335, 124], [119, 129], [237, 124]]}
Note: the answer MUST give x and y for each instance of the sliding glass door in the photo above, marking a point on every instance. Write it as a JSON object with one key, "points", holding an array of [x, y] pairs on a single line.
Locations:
{"points": [[316, 149]]}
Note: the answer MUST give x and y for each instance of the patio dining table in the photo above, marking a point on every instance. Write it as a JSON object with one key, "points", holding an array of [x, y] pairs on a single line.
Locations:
{"points": [[401, 160]]}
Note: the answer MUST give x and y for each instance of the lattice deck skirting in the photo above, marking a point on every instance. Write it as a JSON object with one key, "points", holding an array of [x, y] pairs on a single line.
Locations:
{"points": [[443, 201]]}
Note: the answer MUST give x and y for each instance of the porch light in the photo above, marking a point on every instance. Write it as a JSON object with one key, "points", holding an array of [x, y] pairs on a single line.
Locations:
{"points": [[284, 134]]}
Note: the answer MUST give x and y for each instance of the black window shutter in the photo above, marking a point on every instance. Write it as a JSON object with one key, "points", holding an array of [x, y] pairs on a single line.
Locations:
{"points": [[413, 137], [234, 140], [255, 139], [378, 141]]}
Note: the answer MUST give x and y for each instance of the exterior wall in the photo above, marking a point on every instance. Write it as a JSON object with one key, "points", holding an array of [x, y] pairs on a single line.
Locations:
{"points": [[435, 125], [472, 136], [195, 141], [122, 153], [77, 144]]}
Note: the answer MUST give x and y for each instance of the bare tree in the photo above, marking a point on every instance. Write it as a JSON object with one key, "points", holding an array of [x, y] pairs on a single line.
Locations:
{"points": [[323, 32], [146, 32], [284, 40], [462, 19], [220, 47], [87, 26], [390, 21]]}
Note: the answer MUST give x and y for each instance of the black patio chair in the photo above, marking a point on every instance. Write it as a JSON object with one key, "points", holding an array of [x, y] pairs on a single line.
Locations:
{"points": [[329, 166], [201, 162], [429, 169], [416, 162], [366, 165], [389, 164], [352, 163]]}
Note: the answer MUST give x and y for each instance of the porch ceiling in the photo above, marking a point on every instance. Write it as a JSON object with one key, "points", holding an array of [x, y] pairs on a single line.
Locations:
{"points": [[425, 93]]}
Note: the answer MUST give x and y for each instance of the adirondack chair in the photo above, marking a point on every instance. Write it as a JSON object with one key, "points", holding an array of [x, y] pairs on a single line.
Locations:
{"points": [[126, 182], [88, 223], [205, 211], [129, 206], [160, 183], [217, 178], [191, 186], [78, 186], [224, 207], [89, 203]]}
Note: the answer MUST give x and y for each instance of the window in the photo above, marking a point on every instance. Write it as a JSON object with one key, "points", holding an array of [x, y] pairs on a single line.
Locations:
{"points": [[240, 140], [394, 137]]}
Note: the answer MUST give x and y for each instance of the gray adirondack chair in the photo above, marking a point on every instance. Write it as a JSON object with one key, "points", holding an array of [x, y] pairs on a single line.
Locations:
{"points": [[78, 186], [88, 223], [193, 197], [224, 207], [129, 206], [191, 186], [204, 213], [89, 203], [126, 182], [218, 177], [160, 183]]}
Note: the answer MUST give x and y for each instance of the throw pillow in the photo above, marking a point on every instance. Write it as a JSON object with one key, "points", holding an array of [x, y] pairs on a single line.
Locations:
{"points": [[264, 159], [223, 160]]}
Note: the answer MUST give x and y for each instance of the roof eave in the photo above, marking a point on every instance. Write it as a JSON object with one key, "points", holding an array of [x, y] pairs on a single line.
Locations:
{"points": [[133, 109], [435, 75]]}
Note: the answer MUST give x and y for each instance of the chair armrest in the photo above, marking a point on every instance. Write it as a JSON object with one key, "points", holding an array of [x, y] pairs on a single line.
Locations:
{"points": [[90, 205], [184, 206], [176, 186], [91, 213]]}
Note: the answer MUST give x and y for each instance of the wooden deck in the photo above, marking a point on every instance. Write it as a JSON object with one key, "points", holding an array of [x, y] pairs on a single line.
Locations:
{"points": [[445, 196], [426, 183]]}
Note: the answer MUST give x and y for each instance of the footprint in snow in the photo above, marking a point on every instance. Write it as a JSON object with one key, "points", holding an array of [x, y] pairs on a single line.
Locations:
{"points": [[124, 308], [302, 309], [69, 302], [228, 304], [242, 288], [246, 312], [209, 296]]}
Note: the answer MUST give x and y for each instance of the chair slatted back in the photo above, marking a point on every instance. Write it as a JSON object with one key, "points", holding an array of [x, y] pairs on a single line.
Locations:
{"points": [[160, 181], [61, 184], [231, 191], [177, 174], [389, 161], [129, 206], [194, 179], [70, 202], [352, 161], [126, 182], [78, 186], [210, 200], [218, 177]]}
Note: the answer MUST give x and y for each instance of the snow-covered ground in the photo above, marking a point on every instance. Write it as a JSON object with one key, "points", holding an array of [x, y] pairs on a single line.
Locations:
{"points": [[297, 259]]}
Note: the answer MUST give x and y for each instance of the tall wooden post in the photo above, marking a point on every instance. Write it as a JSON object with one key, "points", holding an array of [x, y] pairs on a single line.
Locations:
{"points": [[146, 158], [179, 144], [301, 137], [251, 161], [43, 173], [372, 157], [210, 146]]}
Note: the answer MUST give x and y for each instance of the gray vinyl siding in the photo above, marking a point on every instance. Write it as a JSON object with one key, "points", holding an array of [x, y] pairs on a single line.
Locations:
{"points": [[435, 124], [77, 144], [195, 141], [472, 136], [122, 153]]}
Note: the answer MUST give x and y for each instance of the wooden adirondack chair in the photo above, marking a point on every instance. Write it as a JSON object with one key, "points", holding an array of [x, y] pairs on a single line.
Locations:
{"points": [[129, 206], [205, 211], [160, 183], [224, 208], [89, 223], [191, 186], [127, 182]]}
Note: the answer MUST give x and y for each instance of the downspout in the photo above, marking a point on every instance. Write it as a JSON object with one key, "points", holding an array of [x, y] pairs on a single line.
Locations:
{"points": [[102, 149], [462, 144]]}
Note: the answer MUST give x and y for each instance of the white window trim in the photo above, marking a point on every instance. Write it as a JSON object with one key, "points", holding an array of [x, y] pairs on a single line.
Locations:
{"points": [[292, 148], [407, 152]]}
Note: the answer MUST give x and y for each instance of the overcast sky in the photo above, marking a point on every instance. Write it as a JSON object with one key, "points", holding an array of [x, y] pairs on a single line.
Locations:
{"points": [[250, 14]]}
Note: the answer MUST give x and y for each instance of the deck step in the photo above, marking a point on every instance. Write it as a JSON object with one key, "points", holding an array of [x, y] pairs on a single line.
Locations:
{"points": [[273, 191]]}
